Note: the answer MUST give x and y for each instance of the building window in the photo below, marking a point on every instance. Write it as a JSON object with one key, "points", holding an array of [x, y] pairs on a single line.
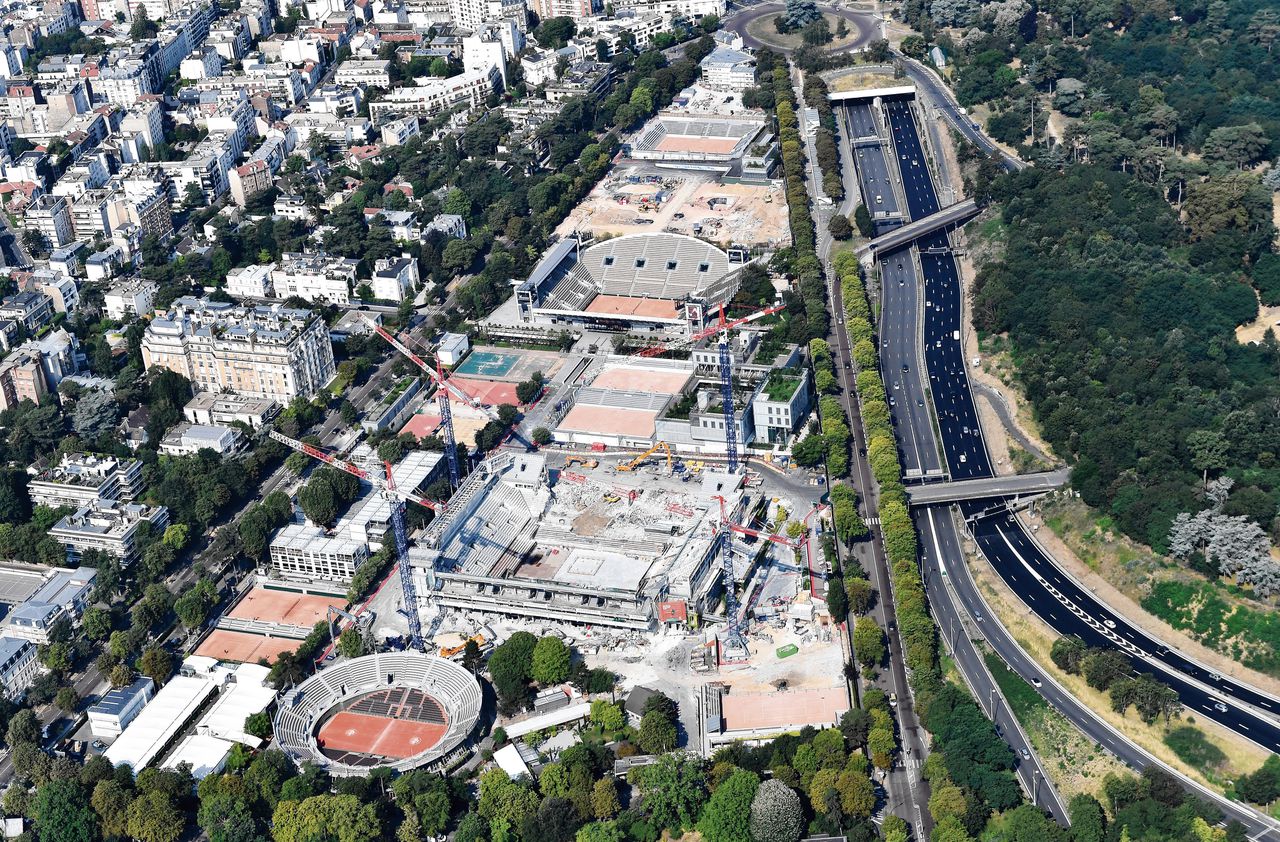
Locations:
{"points": [[639, 262], [704, 267], [671, 266]]}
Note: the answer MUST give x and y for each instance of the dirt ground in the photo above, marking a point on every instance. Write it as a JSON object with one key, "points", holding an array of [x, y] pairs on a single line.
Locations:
{"points": [[1268, 317], [754, 214], [1124, 599], [1036, 639], [858, 81]]}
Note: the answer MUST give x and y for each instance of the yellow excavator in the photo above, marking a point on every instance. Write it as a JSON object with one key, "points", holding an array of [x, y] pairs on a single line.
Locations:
{"points": [[590, 464], [639, 460]]}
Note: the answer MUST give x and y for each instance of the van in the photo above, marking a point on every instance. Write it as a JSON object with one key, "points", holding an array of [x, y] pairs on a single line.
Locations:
{"points": [[955, 334], [879, 200]]}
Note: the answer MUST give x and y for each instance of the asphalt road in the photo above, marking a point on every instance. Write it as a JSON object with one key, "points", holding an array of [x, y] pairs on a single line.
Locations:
{"points": [[1012, 552], [940, 97], [906, 792], [949, 587]]}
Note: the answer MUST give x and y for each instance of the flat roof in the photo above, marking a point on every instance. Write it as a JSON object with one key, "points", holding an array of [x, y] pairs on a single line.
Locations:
{"points": [[609, 420], [117, 699], [247, 694], [626, 378], [17, 584], [160, 721], [206, 754]]}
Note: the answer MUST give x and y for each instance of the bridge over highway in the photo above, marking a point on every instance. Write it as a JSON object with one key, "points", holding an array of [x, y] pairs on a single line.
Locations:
{"points": [[948, 217], [980, 489]]}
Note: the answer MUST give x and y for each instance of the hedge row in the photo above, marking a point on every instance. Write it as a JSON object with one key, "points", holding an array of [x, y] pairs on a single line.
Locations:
{"points": [[804, 264], [919, 636], [835, 424], [824, 139]]}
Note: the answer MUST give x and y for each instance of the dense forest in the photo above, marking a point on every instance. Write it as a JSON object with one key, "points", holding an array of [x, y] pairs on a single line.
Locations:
{"points": [[1126, 349]]}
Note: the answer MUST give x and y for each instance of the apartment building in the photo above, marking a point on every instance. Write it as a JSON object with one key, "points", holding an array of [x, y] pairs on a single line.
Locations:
{"points": [[272, 352], [368, 73], [131, 297], [186, 439], [318, 277], [394, 278], [727, 69], [692, 9], [86, 479], [63, 596], [248, 180], [35, 368], [471, 87], [210, 408], [251, 281], [301, 551], [60, 288], [18, 667], [576, 9], [51, 216], [112, 529], [31, 309]]}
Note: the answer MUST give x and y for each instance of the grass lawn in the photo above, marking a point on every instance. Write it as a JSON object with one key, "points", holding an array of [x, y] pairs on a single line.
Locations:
{"points": [[765, 31], [1021, 696]]}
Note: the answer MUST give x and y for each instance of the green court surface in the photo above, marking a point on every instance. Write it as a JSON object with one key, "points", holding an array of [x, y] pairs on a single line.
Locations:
{"points": [[487, 364]]}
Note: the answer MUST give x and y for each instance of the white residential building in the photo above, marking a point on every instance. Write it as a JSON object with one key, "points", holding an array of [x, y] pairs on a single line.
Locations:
{"points": [[18, 667], [210, 408], [394, 278], [130, 297], [272, 352], [186, 439], [250, 281], [63, 596], [112, 529], [368, 73], [315, 277], [470, 87], [727, 69], [85, 479], [306, 552]]}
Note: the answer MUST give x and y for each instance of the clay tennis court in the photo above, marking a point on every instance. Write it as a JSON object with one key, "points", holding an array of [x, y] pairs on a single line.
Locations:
{"points": [[636, 379], [491, 392], [751, 711], [287, 607], [623, 305], [365, 734], [697, 143], [243, 647]]}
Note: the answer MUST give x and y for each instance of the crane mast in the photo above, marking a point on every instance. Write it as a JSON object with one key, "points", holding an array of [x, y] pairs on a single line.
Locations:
{"points": [[396, 500]]}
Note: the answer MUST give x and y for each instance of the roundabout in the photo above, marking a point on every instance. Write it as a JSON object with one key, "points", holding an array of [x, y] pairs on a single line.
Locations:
{"points": [[755, 24]]}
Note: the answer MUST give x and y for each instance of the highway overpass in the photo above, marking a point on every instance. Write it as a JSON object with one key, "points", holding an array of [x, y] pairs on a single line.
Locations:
{"points": [[980, 489], [948, 217]]}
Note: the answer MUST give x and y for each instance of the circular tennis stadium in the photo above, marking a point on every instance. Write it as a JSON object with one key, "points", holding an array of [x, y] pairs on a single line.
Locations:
{"points": [[401, 710]]}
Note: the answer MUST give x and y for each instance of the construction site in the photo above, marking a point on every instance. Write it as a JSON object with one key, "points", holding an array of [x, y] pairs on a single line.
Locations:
{"points": [[640, 197]]}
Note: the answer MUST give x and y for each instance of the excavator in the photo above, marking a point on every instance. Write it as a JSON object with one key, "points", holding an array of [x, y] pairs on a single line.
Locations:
{"points": [[639, 460]]}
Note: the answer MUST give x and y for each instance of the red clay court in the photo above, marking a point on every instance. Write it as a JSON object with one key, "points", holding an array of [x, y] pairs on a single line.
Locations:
{"points": [[287, 607], [395, 723], [244, 647], [697, 143], [491, 392]]}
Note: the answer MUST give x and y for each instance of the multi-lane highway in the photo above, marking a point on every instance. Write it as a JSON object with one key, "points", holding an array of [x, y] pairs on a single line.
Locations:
{"points": [[1027, 569]]}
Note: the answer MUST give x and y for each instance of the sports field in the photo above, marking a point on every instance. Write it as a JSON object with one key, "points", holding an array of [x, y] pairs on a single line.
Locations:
{"points": [[287, 607], [243, 647], [378, 735], [487, 364]]}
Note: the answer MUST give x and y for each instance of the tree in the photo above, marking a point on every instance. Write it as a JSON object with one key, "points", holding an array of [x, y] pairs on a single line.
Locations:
{"points": [[95, 415], [24, 727], [776, 813], [554, 33], [317, 501], [67, 699], [111, 801], [607, 716], [542, 436], [176, 536], [350, 643], [799, 13], [862, 220], [96, 623], [868, 641], [839, 227], [156, 664], [674, 789], [878, 50], [62, 814], [258, 725], [604, 798], [657, 733], [721, 819], [1103, 667], [550, 661], [326, 818], [154, 817], [600, 832], [143, 27]]}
